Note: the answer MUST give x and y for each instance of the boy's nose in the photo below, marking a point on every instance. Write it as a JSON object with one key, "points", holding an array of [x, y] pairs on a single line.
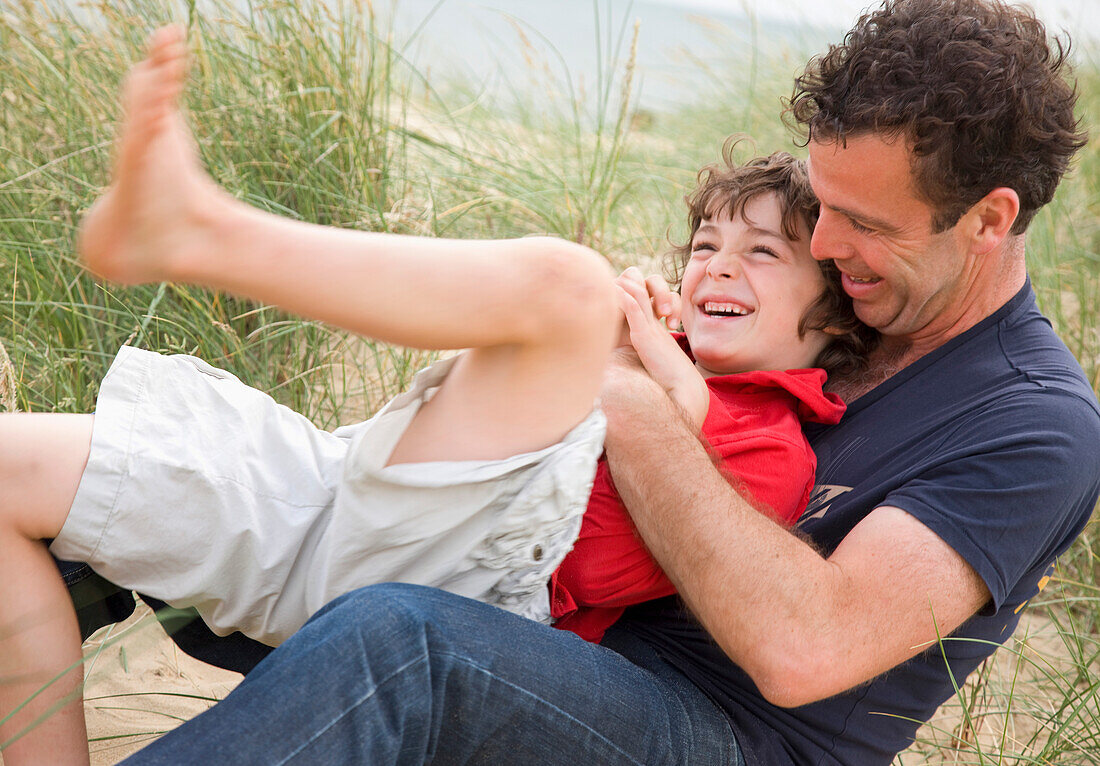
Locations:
{"points": [[724, 267]]}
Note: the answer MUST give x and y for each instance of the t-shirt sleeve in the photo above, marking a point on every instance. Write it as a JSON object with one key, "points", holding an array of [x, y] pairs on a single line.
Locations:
{"points": [[766, 458], [1010, 485]]}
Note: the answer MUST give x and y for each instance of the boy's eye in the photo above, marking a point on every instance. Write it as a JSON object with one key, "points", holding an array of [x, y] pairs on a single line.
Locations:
{"points": [[702, 246], [765, 250]]}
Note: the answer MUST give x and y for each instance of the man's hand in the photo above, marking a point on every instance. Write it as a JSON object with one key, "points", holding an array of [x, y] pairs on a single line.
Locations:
{"points": [[628, 392], [660, 353]]}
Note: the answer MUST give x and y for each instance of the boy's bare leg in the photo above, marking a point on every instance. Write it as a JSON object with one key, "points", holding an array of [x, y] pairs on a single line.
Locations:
{"points": [[42, 458], [539, 312]]}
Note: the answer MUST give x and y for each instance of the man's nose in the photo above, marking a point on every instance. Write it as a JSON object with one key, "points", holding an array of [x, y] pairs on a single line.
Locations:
{"points": [[823, 241]]}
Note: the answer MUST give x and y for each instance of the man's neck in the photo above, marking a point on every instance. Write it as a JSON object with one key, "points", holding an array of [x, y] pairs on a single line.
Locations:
{"points": [[895, 353], [882, 364]]}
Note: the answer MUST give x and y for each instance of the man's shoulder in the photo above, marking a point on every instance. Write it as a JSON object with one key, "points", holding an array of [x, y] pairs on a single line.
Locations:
{"points": [[1014, 350], [1022, 354]]}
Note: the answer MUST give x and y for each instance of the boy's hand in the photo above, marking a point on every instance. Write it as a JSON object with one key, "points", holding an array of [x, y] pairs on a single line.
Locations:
{"points": [[664, 303], [662, 356]]}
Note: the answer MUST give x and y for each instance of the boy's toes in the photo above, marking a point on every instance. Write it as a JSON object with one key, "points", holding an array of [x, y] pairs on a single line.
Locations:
{"points": [[167, 60], [165, 43], [154, 84]]}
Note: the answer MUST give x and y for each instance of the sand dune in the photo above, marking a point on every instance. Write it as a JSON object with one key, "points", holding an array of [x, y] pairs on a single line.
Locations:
{"points": [[138, 684]]}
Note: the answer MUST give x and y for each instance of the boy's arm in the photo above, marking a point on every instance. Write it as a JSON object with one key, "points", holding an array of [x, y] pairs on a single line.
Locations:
{"points": [[661, 355]]}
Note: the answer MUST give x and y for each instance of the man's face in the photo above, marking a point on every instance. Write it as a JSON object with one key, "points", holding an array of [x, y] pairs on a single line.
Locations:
{"points": [[904, 280], [745, 289]]}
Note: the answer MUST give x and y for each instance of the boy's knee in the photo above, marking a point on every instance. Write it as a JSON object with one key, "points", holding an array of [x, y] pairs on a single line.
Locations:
{"points": [[573, 286]]}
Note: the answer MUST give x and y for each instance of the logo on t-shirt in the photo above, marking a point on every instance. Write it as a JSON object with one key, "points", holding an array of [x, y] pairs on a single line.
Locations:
{"points": [[821, 499]]}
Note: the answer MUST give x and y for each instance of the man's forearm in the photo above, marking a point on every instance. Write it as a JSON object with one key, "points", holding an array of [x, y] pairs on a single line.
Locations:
{"points": [[740, 573], [802, 626]]}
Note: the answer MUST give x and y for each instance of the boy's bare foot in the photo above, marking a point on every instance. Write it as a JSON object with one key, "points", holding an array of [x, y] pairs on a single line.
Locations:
{"points": [[155, 210]]}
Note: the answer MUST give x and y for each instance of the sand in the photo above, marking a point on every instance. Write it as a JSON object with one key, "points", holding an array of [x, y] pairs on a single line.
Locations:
{"points": [[136, 658]]}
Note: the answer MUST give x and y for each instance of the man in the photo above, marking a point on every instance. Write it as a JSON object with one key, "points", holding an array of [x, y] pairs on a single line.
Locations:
{"points": [[965, 465]]}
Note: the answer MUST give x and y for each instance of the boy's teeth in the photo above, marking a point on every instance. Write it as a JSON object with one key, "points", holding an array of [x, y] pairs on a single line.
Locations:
{"points": [[724, 309]]}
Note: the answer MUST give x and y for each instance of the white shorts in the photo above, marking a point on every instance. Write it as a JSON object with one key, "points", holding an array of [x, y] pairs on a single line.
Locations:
{"points": [[203, 492]]}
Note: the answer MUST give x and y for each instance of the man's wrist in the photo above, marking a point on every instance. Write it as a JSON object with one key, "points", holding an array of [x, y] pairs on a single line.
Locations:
{"points": [[648, 407]]}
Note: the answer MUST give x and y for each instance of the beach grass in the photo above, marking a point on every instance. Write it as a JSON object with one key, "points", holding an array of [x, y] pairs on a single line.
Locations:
{"points": [[311, 110]]}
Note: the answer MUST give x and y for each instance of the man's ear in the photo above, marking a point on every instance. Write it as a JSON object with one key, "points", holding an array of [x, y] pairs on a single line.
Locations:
{"points": [[991, 219]]}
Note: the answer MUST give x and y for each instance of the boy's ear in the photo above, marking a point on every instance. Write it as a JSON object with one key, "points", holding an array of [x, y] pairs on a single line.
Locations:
{"points": [[990, 219]]}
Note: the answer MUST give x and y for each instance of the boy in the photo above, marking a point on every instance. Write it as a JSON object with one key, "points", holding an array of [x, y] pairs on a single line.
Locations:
{"points": [[278, 518], [757, 311]]}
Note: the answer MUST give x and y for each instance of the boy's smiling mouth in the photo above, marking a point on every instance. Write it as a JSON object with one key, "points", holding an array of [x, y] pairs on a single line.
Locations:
{"points": [[725, 309]]}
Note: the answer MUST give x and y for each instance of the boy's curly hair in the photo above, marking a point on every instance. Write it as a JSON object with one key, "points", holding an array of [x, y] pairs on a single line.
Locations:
{"points": [[972, 85], [725, 188]]}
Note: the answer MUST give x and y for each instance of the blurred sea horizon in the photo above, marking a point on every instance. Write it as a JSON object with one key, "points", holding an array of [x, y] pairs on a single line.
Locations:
{"points": [[506, 44], [489, 38], [577, 41]]}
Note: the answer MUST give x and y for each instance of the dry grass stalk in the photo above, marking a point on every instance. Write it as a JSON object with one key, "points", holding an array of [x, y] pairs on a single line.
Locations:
{"points": [[7, 381]]}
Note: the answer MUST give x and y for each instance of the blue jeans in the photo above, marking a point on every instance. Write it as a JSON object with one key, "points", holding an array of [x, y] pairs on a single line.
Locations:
{"points": [[401, 674]]}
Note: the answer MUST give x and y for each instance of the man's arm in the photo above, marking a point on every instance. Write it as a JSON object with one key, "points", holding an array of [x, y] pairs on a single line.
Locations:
{"points": [[802, 626]]}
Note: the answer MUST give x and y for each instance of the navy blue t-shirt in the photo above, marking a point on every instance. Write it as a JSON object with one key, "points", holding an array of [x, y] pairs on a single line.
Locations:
{"points": [[993, 442]]}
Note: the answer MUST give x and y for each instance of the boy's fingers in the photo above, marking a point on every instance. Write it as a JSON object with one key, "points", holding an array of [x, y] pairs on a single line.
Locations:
{"points": [[634, 289], [628, 304], [664, 300], [638, 319], [672, 318], [654, 291], [632, 274], [638, 294]]}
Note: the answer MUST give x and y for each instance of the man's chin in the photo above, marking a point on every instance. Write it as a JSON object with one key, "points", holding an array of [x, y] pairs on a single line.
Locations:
{"points": [[874, 316]]}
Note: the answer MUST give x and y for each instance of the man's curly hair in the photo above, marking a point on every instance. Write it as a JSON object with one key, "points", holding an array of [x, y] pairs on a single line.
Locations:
{"points": [[972, 85]]}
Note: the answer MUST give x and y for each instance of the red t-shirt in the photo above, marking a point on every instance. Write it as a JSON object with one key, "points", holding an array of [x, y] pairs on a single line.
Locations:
{"points": [[754, 430]]}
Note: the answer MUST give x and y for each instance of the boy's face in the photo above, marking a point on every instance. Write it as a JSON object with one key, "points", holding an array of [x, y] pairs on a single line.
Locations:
{"points": [[744, 291]]}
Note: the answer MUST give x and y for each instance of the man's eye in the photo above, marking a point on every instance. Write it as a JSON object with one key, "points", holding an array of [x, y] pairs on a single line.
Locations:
{"points": [[857, 226]]}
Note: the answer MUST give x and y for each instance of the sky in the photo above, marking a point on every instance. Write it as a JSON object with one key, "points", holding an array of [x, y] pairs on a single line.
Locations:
{"points": [[1077, 15]]}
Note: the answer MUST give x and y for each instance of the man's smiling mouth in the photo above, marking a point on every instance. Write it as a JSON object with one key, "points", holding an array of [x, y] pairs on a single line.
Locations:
{"points": [[859, 287]]}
